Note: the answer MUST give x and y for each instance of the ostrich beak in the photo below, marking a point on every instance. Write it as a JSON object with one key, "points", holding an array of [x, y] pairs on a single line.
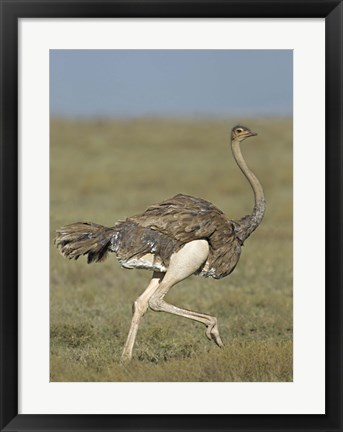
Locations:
{"points": [[251, 133]]}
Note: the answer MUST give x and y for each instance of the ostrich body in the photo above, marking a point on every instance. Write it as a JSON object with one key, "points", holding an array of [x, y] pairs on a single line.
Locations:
{"points": [[174, 239]]}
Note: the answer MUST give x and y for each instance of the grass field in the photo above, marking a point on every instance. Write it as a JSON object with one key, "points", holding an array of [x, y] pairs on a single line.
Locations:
{"points": [[103, 171]]}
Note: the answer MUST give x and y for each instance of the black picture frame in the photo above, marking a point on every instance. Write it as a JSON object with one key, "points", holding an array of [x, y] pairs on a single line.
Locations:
{"points": [[11, 11]]}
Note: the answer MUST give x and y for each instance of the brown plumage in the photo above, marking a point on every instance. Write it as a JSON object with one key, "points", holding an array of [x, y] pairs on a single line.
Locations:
{"points": [[160, 231], [156, 240]]}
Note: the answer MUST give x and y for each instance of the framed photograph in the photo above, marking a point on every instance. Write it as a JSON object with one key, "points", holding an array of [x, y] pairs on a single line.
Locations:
{"points": [[194, 144]]}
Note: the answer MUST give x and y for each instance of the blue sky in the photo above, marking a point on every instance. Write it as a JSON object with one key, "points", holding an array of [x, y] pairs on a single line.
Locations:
{"points": [[170, 83]]}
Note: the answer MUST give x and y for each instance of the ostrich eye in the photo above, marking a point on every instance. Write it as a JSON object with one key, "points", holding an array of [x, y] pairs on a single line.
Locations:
{"points": [[239, 130]]}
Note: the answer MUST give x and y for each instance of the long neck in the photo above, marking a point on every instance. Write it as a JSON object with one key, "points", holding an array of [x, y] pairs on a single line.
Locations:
{"points": [[250, 223]]}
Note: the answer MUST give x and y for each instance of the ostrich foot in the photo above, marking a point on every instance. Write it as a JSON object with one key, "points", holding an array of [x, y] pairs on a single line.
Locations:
{"points": [[126, 356], [212, 333]]}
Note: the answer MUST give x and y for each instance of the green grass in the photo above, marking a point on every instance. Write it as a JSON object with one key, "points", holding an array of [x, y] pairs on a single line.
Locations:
{"points": [[103, 171]]}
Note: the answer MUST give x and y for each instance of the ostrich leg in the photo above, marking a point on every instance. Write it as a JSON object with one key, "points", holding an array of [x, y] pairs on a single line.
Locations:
{"points": [[183, 264], [139, 308]]}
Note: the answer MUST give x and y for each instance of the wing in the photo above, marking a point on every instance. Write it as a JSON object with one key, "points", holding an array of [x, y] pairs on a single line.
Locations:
{"points": [[186, 218]]}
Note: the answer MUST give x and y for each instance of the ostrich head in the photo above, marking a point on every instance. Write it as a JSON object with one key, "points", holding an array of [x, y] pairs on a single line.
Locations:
{"points": [[240, 133]]}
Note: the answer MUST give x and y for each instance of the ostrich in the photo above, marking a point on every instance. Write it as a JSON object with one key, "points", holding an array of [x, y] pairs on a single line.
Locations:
{"points": [[174, 239]]}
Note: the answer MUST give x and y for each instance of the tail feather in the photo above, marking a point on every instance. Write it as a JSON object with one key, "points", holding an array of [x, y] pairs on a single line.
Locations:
{"points": [[84, 238]]}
